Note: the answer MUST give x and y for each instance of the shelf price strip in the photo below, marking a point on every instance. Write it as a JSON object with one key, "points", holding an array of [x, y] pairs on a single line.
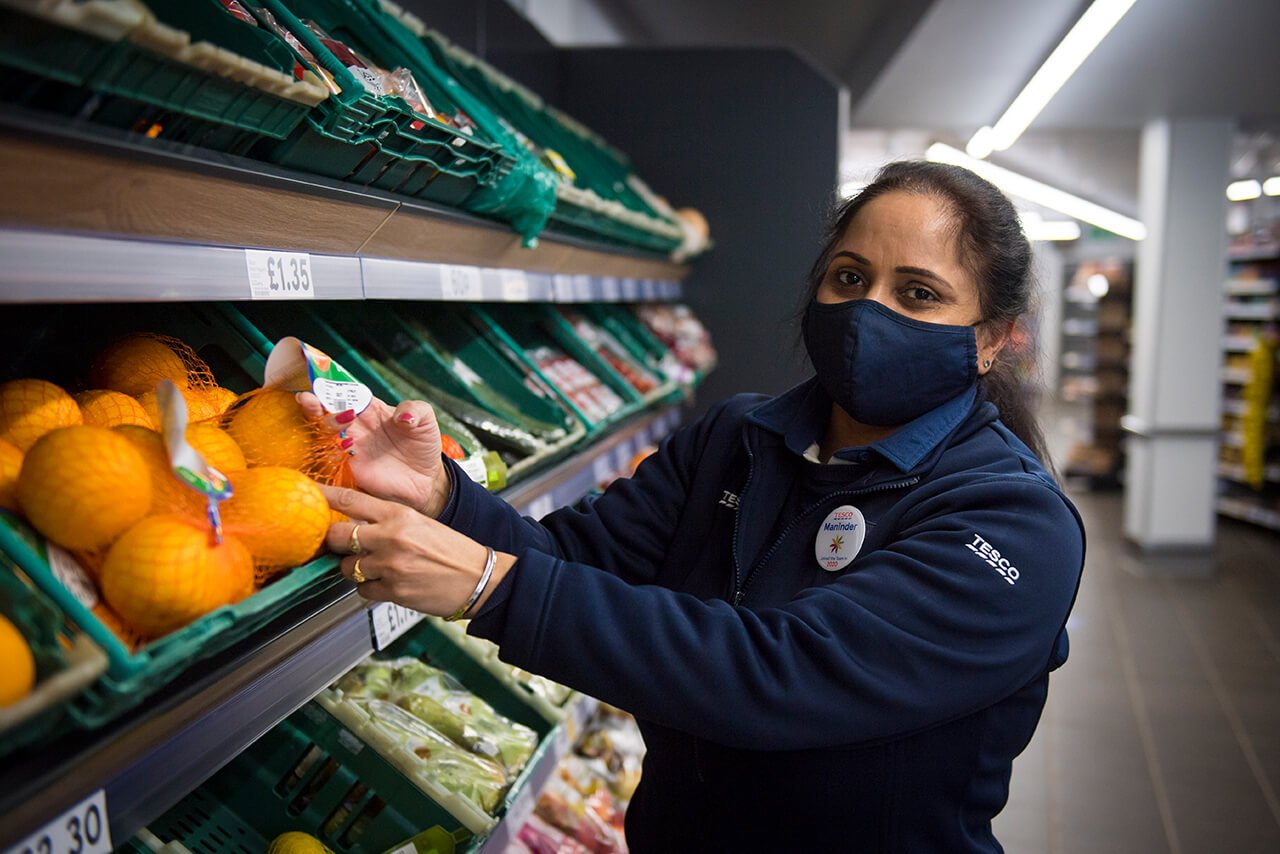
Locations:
{"points": [[515, 286], [279, 275], [83, 829], [388, 621]]}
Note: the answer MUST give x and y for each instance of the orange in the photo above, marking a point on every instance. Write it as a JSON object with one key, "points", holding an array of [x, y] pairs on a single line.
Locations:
{"points": [[280, 514], [18, 676], [166, 572], [220, 398], [10, 465], [104, 408], [31, 408], [168, 494], [84, 486], [135, 363], [272, 430], [216, 446], [198, 407]]}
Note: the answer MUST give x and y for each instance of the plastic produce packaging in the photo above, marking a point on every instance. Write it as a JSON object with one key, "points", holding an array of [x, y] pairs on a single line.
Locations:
{"points": [[596, 400], [439, 701], [611, 350]]}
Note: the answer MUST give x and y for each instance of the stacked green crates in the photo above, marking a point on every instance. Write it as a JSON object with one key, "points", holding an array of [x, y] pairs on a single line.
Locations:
{"points": [[219, 84]]}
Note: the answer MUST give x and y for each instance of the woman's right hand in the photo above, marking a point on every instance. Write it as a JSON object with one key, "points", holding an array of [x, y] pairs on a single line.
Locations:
{"points": [[396, 451]]}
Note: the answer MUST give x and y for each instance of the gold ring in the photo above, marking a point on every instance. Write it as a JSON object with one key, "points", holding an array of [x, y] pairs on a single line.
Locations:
{"points": [[356, 575], [354, 545]]}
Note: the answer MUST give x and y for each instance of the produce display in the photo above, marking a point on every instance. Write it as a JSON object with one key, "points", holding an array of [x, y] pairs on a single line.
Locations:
{"points": [[95, 477], [584, 804], [609, 349], [677, 327], [465, 745], [595, 399]]}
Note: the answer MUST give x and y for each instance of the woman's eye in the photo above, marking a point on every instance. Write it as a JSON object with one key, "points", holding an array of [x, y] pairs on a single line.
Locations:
{"points": [[920, 294], [850, 278]]}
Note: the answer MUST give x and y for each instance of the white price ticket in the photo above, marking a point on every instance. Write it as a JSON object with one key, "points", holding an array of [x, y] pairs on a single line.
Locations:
{"points": [[461, 283], [541, 506], [279, 275], [582, 288], [610, 289], [515, 286], [630, 289], [83, 829], [562, 288], [389, 621]]}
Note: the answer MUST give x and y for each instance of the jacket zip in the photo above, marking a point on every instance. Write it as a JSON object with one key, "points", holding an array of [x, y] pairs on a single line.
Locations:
{"points": [[737, 517], [846, 493]]}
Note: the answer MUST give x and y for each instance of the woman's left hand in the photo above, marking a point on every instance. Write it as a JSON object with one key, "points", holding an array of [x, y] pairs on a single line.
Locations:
{"points": [[409, 558]]}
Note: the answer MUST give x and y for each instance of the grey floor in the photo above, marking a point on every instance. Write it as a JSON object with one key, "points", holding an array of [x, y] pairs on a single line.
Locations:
{"points": [[1162, 732]]}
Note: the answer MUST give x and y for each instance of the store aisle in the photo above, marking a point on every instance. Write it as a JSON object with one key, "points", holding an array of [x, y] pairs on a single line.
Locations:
{"points": [[1162, 732]]}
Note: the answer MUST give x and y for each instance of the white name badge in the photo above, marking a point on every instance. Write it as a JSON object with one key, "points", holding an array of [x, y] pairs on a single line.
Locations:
{"points": [[840, 538]]}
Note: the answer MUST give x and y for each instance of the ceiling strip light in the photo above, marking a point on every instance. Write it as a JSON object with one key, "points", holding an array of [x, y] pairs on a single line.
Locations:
{"points": [[1243, 191], [1271, 186], [1071, 52], [1041, 194]]}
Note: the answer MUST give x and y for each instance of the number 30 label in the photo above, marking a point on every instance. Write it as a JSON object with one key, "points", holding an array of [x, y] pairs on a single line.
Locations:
{"points": [[279, 275], [82, 829]]}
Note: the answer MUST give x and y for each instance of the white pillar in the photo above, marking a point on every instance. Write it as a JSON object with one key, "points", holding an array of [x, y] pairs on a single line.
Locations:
{"points": [[1175, 383]]}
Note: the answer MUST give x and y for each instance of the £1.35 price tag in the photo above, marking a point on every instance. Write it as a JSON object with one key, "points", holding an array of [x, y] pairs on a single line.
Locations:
{"points": [[279, 275], [83, 829], [461, 283], [389, 621]]}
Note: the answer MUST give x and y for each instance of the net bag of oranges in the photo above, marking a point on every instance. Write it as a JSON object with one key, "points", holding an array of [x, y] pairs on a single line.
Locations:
{"points": [[139, 554]]}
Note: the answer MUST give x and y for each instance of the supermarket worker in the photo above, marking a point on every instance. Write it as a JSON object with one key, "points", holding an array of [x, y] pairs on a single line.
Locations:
{"points": [[833, 612]]}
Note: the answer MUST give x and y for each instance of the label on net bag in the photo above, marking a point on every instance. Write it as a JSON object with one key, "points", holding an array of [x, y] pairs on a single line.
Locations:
{"points": [[187, 463], [297, 366]]}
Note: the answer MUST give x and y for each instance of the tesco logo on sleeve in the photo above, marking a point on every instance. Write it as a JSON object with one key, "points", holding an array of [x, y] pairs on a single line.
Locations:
{"points": [[994, 559]]}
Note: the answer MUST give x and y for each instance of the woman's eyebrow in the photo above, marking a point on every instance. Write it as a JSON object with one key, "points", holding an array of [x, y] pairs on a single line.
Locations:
{"points": [[854, 255], [921, 271]]}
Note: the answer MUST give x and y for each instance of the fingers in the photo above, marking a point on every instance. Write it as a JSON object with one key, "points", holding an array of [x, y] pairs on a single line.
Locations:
{"points": [[339, 537], [411, 416], [310, 404], [374, 591], [360, 505]]}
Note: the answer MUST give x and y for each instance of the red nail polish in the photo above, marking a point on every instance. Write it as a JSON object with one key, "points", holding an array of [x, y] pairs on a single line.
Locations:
{"points": [[347, 443], [407, 418], [345, 417]]}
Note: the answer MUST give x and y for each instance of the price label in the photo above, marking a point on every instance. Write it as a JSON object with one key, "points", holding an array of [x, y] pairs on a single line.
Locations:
{"points": [[279, 275], [390, 621], [541, 506], [515, 286], [630, 289], [461, 283], [648, 289], [562, 287], [582, 288], [83, 829], [72, 576], [610, 289]]}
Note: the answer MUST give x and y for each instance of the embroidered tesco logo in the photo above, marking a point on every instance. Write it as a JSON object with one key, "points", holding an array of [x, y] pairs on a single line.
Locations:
{"points": [[992, 556]]}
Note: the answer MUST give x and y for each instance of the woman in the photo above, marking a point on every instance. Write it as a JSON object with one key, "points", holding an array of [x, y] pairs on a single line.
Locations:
{"points": [[834, 612]]}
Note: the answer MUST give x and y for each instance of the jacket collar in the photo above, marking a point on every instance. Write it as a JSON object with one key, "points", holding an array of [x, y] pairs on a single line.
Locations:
{"points": [[800, 417]]}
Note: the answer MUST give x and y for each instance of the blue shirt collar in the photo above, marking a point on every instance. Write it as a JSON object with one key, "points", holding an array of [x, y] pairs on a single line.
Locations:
{"points": [[800, 416]]}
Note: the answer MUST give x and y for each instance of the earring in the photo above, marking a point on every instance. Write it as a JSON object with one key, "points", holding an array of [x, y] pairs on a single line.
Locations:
{"points": [[986, 363]]}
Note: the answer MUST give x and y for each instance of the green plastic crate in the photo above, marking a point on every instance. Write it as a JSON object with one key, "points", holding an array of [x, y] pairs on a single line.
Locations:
{"points": [[640, 341], [131, 676], [67, 661], [380, 141], [601, 202], [523, 327], [144, 77]]}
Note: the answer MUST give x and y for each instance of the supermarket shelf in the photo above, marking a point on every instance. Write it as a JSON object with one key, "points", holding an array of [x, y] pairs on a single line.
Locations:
{"points": [[1235, 472], [1239, 343], [51, 267], [148, 761], [1266, 252], [1236, 376], [1238, 408], [1238, 508], [1251, 311], [1252, 287], [67, 178]]}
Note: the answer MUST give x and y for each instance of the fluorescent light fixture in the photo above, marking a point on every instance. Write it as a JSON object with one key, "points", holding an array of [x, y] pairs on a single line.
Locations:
{"points": [[1271, 186], [980, 144], [1037, 228], [1041, 194], [1243, 191], [1071, 52], [1098, 285]]}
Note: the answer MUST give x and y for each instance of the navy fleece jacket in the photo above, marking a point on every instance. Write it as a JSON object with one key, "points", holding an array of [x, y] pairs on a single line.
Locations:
{"points": [[873, 708]]}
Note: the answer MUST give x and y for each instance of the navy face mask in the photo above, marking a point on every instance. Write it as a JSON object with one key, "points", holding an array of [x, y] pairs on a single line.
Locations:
{"points": [[884, 368]]}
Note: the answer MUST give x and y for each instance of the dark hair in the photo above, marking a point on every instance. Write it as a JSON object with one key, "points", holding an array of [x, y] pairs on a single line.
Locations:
{"points": [[994, 250]]}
